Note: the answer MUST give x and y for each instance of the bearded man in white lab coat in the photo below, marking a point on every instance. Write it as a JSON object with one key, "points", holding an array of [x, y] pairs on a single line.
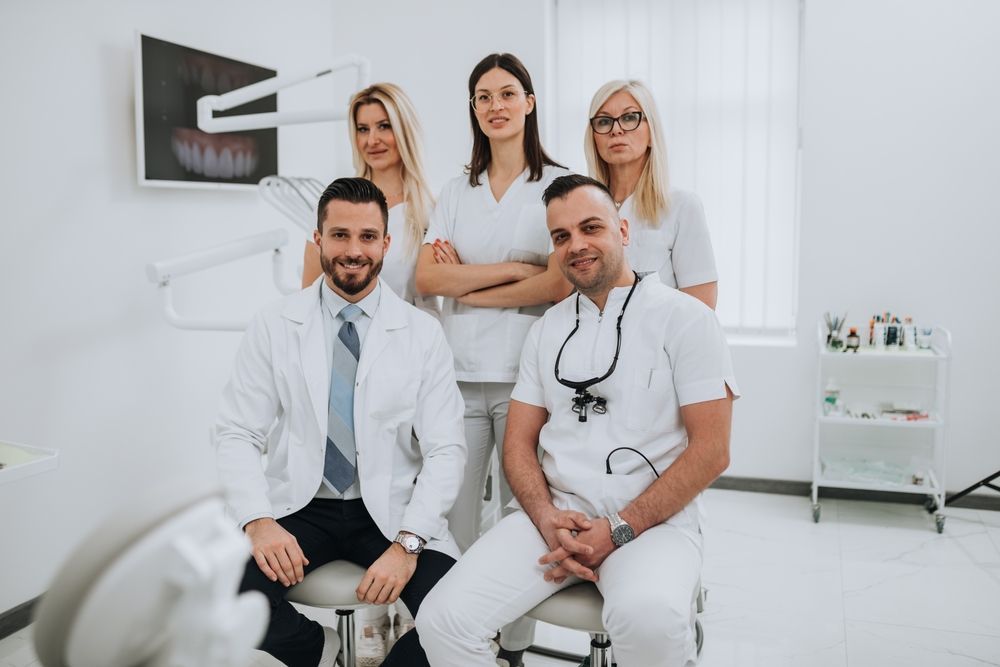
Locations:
{"points": [[341, 437], [627, 389]]}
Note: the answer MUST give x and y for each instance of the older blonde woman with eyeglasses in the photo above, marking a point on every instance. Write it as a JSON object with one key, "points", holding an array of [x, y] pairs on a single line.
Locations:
{"points": [[667, 230]]}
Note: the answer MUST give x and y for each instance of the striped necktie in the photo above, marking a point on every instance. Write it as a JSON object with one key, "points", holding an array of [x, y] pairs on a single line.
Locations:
{"points": [[341, 454]]}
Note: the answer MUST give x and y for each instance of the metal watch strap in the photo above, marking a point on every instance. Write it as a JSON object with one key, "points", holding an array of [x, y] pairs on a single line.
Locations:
{"points": [[403, 535]]}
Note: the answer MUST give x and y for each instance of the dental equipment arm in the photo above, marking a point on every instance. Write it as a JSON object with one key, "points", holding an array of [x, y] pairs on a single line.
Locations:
{"points": [[163, 271], [208, 104]]}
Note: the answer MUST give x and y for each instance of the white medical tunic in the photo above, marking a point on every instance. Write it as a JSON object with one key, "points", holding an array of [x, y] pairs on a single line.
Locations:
{"points": [[679, 249], [400, 264], [487, 342], [673, 353]]}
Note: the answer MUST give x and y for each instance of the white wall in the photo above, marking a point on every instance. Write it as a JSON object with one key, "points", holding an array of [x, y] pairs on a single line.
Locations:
{"points": [[89, 366], [899, 104]]}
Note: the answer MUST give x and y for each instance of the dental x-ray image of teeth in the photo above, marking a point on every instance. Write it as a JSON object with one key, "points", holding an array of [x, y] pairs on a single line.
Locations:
{"points": [[173, 151]]}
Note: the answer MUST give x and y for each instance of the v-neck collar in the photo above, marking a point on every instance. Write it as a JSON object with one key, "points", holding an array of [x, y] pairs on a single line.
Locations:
{"points": [[515, 185]]}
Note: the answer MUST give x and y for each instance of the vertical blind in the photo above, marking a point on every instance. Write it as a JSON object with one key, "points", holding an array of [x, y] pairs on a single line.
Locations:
{"points": [[725, 74]]}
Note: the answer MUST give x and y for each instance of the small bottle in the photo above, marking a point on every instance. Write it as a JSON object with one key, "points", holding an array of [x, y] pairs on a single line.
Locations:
{"points": [[879, 333], [871, 332], [853, 340], [831, 398], [909, 334]]}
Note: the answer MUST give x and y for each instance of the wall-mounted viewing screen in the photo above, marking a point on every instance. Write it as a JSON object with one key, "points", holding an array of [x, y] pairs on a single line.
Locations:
{"points": [[172, 151]]}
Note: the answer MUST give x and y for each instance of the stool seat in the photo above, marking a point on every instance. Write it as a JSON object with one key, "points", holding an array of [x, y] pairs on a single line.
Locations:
{"points": [[330, 586], [577, 607]]}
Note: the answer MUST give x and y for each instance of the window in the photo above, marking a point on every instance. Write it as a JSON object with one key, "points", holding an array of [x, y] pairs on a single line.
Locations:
{"points": [[725, 74]]}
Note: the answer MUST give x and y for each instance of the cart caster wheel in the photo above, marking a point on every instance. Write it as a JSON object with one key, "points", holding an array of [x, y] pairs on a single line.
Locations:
{"points": [[930, 505], [939, 520], [816, 513]]}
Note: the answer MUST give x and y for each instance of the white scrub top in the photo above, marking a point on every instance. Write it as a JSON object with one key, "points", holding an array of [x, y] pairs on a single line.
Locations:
{"points": [[673, 353], [401, 260], [487, 342], [680, 249]]}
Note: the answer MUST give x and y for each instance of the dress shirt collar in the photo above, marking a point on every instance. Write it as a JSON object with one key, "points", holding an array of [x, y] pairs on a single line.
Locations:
{"points": [[334, 303]]}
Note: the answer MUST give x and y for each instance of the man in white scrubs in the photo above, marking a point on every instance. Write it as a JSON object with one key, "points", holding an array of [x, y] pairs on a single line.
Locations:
{"points": [[335, 384], [627, 388]]}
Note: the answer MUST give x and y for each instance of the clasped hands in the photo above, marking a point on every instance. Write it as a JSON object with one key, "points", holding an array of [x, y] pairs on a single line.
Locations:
{"points": [[577, 544], [279, 556]]}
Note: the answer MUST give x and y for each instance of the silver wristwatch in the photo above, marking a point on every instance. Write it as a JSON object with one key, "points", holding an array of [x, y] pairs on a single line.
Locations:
{"points": [[621, 532], [412, 544]]}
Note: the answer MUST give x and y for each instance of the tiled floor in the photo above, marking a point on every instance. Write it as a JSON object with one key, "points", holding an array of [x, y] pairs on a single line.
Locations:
{"points": [[871, 585]]}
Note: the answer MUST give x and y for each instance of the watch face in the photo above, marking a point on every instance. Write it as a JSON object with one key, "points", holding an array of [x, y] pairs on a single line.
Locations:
{"points": [[622, 534], [411, 543]]}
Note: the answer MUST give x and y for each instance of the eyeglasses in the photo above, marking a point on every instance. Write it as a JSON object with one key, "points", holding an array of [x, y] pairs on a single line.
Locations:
{"points": [[482, 102], [627, 121]]}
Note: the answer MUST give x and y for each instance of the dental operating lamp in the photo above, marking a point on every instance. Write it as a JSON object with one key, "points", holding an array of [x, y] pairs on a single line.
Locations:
{"points": [[157, 585]]}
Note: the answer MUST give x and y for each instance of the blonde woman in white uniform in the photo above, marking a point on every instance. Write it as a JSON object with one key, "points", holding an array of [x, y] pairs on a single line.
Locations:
{"points": [[626, 151], [388, 151], [487, 253]]}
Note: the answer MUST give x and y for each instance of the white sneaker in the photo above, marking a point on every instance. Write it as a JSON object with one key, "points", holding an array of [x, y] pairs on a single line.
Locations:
{"points": [[331, 647], [371, 646]]}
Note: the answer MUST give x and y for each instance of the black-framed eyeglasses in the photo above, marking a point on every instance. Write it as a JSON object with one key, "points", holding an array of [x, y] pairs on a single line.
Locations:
{"points": [[483, 101], [628, 121]]}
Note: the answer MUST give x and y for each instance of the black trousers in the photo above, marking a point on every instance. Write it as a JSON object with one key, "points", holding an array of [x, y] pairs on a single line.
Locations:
{"points": [[330, 530]]}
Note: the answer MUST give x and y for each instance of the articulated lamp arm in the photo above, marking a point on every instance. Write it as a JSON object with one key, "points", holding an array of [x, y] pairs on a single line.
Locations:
{"points": [[209, 104]]}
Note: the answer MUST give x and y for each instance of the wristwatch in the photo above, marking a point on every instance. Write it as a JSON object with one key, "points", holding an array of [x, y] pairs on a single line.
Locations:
{"points": [[412, 544], [621, 532]]}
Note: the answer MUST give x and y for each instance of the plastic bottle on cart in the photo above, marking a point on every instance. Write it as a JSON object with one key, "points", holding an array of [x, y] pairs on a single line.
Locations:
{"points": [[909, 334], [831, 398], [879, 331]]}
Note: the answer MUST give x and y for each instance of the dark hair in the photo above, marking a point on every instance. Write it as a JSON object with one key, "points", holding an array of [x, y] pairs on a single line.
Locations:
{"points": [[534, 154], [355, 191], [563, 185]]}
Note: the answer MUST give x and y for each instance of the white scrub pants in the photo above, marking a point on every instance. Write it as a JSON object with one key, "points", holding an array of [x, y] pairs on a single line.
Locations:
{"points": [[649, 588], [486, 406]]}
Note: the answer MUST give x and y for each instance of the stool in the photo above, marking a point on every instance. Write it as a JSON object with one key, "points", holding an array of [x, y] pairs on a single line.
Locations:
{"points": [[334, 586], [578, 607]]}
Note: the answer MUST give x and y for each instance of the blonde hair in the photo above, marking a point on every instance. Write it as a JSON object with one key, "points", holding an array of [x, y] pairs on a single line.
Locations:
{"points": [[652, 199], [406, 130]]}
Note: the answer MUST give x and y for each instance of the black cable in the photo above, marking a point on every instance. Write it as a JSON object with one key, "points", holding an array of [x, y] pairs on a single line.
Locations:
{"points": [[607, 461]]}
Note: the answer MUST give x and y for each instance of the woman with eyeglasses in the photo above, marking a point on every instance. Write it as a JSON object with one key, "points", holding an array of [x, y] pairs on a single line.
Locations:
{"points": [[667, 229], [488, 253], [387, 150]]}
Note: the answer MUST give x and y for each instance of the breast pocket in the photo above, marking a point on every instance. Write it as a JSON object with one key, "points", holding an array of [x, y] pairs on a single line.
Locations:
{"points": [[651, 399], [648, 250]]}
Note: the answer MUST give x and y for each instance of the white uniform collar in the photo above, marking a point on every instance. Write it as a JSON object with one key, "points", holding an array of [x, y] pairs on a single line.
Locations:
{"points": [[616, 297]]}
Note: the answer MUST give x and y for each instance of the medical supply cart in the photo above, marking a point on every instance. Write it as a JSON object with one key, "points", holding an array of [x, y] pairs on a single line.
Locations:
{"points": [[881, 420]]}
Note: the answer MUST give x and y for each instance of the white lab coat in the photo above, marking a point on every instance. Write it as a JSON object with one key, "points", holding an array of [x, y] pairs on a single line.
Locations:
{"points": [[276, 404]]}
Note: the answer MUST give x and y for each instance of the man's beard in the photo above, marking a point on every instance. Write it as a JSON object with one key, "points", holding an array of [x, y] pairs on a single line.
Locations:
{"points": [[353, 284], [599, 281]]}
